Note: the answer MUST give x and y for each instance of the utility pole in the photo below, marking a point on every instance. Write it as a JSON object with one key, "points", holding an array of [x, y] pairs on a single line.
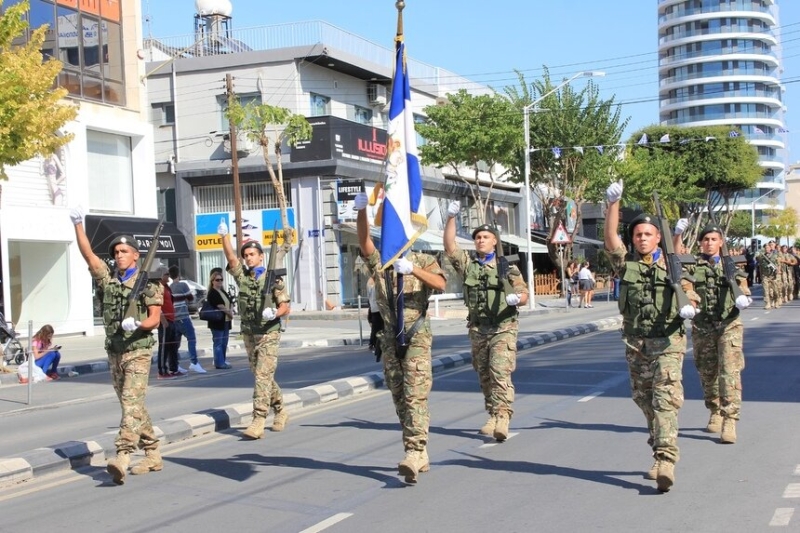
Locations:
{"points": [[237, 193]]}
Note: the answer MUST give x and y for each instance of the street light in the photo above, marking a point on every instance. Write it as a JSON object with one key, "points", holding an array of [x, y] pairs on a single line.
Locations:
{"points": [[753, 211], [526, 112]]}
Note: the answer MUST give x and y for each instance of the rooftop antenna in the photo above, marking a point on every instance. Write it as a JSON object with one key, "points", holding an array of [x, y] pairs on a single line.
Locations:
{"points": [[148, 19]]}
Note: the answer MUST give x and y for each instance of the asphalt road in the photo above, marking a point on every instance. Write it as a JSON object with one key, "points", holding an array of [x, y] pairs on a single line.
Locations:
{"points": [[575, 460]]}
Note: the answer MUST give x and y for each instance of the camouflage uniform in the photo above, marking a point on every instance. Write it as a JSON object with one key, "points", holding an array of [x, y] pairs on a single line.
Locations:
{"points": [[129, 357], [655, 340], [769, 272], [717, 336], [493, 327], [410, 378], [261, 337]]}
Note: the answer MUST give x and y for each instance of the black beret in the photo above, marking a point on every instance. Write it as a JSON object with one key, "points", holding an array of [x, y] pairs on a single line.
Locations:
{"points": [[485, 227], [709, 228], [642, 219], [123, 239], [251, 244]]}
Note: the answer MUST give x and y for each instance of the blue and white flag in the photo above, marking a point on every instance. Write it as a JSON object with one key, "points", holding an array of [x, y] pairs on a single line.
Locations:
{"points": [[664, 138], [643, 140], [733, 133], [403, 217], [783, 130], [556, 152]]}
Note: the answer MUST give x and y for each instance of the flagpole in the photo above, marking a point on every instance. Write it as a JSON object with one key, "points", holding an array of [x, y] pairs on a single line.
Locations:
{"points": [[400, 327]]}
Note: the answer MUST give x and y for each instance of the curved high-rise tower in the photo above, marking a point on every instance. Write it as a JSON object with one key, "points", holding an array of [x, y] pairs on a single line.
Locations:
{"points": [[720, 64]]}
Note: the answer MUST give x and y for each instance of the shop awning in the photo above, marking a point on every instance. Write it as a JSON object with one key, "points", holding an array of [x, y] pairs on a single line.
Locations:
{"points": [[101, 230], [522, 244]]}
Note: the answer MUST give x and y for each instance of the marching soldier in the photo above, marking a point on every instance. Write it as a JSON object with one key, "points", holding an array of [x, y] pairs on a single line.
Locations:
{"points": [[768, 271], [492, 290]]}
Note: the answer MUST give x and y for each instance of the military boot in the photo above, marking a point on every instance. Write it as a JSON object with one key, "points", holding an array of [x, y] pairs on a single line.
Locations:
{"points": [[118, 467], [256, 428], [501, 427], [653, 472], [488, 427], [665, 477], [280, 419], [426, 462], [728, 435], [151, 463], [714, 423], [411, 465]]}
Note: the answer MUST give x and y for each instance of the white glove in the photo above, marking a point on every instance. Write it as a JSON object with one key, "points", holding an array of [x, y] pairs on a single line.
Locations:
{"points": [[360, 201], [688, 311], [681, 225], [743, 302], [453, 209], [403, 266], [76, 215], [513, 299], [222, 229], [269, 313], [614, 192], [130, 324]]}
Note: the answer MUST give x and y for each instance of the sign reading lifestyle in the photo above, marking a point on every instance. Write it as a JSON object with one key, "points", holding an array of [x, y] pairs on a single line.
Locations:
{"points": [[257, 225]]}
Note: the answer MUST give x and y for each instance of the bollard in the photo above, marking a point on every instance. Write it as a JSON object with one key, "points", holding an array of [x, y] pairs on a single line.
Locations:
{"points": [[30, 361], [360, 331]]}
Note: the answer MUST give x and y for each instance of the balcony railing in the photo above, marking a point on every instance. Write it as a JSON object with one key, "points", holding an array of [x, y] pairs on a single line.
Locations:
{"points": [[744, 5]]}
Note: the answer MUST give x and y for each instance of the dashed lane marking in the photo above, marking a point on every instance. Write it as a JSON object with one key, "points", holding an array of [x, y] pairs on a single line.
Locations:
{"points": [[792, 490], [590, 397], [328, 522], [782, 516]]}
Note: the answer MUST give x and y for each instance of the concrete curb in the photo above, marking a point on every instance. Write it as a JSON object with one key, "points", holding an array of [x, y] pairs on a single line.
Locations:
{"points": [[77, 454]]}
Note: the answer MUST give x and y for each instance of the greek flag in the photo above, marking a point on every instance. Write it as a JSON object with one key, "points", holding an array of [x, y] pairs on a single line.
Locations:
{"points": [[733, 133], [403, 217]]}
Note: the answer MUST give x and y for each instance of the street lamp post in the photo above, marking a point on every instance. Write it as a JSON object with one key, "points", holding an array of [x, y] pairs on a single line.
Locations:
{"points": [[526, 113], [753, 211]]}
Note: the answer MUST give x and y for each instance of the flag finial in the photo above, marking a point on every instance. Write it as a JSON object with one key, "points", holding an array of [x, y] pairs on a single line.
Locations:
{"points": [[400, 5]]}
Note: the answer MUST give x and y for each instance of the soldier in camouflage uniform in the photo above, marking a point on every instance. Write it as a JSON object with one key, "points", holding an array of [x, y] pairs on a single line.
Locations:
{"points": [[129, 345], [260, 311], [768, 270], [788, 262], [492, 298], [409, 375], [718, 332], [653, 332]]}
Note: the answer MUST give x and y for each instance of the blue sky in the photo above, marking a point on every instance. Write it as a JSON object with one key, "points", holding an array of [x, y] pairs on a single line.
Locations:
{"points": [[487, 41]]}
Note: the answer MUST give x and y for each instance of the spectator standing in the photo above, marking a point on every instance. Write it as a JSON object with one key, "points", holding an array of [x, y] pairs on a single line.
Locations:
{"points": [[181, 296], [586, 285], [167, 358], [572, 280], [46, 356], [220, 329]]}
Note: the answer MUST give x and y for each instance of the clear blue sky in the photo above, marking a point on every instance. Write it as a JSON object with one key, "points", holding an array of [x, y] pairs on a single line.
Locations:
{"points": [[487, 41]]}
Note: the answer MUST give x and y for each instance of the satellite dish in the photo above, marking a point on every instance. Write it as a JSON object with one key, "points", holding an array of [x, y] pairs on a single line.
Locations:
{"points": [[213, 7]]}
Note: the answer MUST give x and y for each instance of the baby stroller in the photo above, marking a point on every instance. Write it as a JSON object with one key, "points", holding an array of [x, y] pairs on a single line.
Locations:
{"points": [[9, 343]]}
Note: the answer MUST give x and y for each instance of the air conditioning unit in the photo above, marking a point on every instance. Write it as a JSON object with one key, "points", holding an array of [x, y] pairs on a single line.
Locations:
{"points": [[244, 145], [376, 94]]}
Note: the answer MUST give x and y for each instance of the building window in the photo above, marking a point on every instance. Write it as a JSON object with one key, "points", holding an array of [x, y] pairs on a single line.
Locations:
{"points": [[420, 119], [362, 115], [163, 114], [244, 100], [110, 173], [38, 283], [320, 105]]}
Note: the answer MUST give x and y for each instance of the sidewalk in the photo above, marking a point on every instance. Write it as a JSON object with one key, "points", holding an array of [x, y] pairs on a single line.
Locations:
{"points": [[91, 450]]}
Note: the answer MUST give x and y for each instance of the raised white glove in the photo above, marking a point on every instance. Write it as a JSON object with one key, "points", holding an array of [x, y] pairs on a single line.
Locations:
{"points": [[688, 311], [130, 324], [743, 302], [222, 229], [614, 192], [513, 299], [681, 225], [269, 313], [453, 209], [76, 215], [360, 201], [403, 266]]}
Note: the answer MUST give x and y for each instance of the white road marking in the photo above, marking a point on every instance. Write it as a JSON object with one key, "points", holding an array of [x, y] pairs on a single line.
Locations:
{"points": [[590, 397], [792, 490], [782, 516], [495, 443], [797, 470], [328, 522], [754, 319]]}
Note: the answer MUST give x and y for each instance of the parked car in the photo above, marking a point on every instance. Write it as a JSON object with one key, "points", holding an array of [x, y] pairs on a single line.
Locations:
{"points": [[199, 292]]}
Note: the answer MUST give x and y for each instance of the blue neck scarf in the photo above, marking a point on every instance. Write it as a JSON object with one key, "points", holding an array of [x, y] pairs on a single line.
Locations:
{"points": [[125, 276], [486, 259], [652, 257], [710, 258], [259, 271]]}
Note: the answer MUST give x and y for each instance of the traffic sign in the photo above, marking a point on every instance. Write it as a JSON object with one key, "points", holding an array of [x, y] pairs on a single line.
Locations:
{"points": [[560, 236]]}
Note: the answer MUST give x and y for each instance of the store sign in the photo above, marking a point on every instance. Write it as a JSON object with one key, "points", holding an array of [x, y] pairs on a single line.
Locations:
{"points": [[336, 138], [165, 243], [257, 225]]}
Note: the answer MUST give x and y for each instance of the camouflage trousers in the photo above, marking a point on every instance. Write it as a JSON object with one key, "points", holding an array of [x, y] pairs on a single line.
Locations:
{"points": [[719, 360], [130, 373], [410, 380], [770, 286], [262, 354], [494, 358], [655, 366]]}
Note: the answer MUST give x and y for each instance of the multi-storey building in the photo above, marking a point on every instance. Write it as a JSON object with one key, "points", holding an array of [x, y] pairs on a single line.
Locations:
{"points": [[341, 83], [720, 64], [107, 168]]}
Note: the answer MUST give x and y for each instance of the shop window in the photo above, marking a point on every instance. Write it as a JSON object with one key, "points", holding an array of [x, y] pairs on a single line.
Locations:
{"points": [[38, 283], [110, 173]]}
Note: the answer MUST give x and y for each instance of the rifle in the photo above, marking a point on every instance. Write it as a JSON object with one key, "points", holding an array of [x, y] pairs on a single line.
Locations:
{"points": [[143, 278], [672, 259], [729, 269], [272, 272], [503, 262], [294, 274]]}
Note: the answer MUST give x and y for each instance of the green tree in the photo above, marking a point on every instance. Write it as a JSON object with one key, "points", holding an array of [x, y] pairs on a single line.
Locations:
{"points": [[741, 226], [781, 223], [270, 127], [464, 132], [576, 123], [31, 110]]}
